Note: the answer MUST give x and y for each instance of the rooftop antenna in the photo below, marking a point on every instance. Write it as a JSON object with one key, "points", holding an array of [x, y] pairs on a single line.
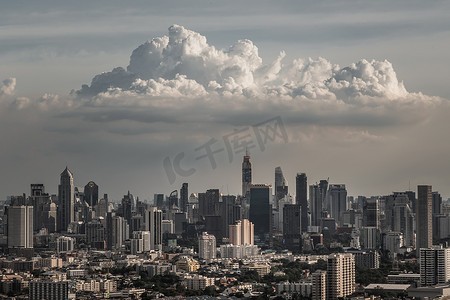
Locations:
{"points": [[409, 185], [247, 153]]}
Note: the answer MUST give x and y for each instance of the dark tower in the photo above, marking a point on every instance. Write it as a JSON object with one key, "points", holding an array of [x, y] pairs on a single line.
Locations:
{"points": [[66, 200], [91, 193], [184, 197], [246, 175], [301, 198]]}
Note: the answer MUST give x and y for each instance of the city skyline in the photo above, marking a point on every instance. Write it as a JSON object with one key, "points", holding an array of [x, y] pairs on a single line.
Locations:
{"points": [[356, 107]]}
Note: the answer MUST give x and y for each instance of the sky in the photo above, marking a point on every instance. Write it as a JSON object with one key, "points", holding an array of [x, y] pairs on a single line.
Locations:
{"points": [[133, 94]]}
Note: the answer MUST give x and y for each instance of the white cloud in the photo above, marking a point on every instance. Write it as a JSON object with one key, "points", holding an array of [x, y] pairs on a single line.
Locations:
{"points": [[183, 64]]}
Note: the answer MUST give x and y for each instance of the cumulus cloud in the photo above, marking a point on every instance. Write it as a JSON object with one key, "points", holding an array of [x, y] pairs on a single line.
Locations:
{"points": [[8, 87], [183, 64]]}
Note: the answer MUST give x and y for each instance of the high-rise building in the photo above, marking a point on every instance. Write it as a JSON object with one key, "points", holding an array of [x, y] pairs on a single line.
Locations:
{"points": [[140, 242], [44, 209], [292, 226], [127, 207], [281, 186], [340, 275], [40, 289], [301, 198], [424, 223], [371, 213], [20, 226], [434, 265], [261, 212], [64, 244], [153, 224], [337, 201], [242, 233], [246, 175], [66, 200], [403, 218], [319, 285], [158, 200], [207, 246], [317, 196], [91, 193], [184, 197], [230, 212], [437, 202]]}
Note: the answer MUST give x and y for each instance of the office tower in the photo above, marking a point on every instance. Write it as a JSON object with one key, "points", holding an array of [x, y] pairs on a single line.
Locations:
{"points": [[184, 197], [167, 227], [180, 222], [20, 226], [242, 233], [246, 175], [173, 199], [337, 201], [91, 193], [44, 210], [114, 231], [43, 289], [95, 234], [317, 196], [370, 238], [437, 202], [153, 219], [102, 207], [140, 242], [207, 246], [64, 244], [209, 203], [403, 218], [319, 285], [392, 242], [424, 228], [127, 206], [281, 186], [261, 212], [230, 212], [66, 200], [340, 275], [412, 200], [301, 198], [434, 265], [158, 200], [371, 213], [292, 226]]}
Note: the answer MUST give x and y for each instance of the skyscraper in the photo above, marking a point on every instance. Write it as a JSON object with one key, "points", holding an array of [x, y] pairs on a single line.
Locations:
{"points": [[281, 185], [424, 222], [301, 198], [207, 246], [66, 200], [371, 213], [337, 201], [261, 212], [434, 265], [246, 175], [20, 226], [317, 196], [184, 197], [153, 224], [242, 233], [340, 275], [91, 193], [292, 226]]}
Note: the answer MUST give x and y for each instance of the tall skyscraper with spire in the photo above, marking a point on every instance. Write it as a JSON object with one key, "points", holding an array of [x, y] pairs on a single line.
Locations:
{"points": [[246, 174], [66, 198]]}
